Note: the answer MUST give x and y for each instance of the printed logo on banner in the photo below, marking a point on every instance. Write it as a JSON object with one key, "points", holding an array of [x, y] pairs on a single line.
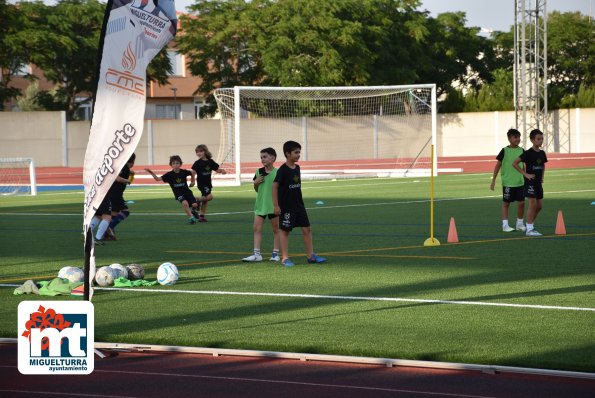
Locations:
{"points": [[125, 80], [56, 337]]}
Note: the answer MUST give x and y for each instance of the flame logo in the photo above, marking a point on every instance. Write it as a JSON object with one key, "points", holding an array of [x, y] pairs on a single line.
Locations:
{"points": [[43, 319], [129, 59]]}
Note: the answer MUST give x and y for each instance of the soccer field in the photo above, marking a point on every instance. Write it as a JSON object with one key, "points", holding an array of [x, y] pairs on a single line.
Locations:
{"points": [[494, 298]]}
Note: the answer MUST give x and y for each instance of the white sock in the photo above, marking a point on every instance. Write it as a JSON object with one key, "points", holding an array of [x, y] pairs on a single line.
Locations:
{"points": [[94, 223], [519, 221], [257, 252], [504, 223], [102, 228], [530, 227]]}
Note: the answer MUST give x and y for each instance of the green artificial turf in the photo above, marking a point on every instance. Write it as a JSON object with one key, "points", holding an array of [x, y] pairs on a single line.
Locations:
{"points": [[372, 232]]}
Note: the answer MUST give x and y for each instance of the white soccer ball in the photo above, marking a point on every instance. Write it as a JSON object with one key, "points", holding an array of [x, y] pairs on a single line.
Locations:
{"points": [[135, 271], [105, 276], [120, 271], [167, 274], [63, 270], [73, 274]]}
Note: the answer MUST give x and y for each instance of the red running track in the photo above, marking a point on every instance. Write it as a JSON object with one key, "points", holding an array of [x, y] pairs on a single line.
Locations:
{"points": [[477, 164], [152, 375]]}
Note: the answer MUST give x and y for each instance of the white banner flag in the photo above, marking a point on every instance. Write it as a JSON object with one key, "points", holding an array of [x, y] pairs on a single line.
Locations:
{"points": [[134, 31]]}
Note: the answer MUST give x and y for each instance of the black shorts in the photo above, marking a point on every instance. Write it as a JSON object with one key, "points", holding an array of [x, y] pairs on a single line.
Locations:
{"points": [[188, 197], [118, 204], [295, 218], [269, 216], [533, 189], [513, 194], [105, 207], [204, 191]]}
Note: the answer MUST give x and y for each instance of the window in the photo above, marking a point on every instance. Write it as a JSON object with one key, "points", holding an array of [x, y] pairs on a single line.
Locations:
{"points": [[83, 111], [168, 111], [23, 70], [177, 62], [198, 103]]}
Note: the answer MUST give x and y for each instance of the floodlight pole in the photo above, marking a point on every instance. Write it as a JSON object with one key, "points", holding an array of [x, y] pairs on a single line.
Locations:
{"points": [[530, 69]]}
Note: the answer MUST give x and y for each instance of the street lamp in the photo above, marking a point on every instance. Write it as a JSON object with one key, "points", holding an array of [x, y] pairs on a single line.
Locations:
{"points": [[174, 89]]}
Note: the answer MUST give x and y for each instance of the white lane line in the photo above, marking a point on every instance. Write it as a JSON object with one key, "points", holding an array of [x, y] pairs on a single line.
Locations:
{"points": [[353, 298]]}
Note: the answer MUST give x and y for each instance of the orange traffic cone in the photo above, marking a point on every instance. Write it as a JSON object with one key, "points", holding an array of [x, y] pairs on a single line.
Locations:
{"points": [[560, 227], [453, 236]]}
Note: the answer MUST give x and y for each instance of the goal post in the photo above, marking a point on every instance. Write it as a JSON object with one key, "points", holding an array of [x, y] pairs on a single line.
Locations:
{"points": [[17, 176], [372, 131]]}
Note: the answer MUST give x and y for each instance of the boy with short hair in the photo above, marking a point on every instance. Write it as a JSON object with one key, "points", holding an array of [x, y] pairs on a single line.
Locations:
{"points": [[535, 160], [512, 181], [263, 207], [176, 178], [289, 205]]}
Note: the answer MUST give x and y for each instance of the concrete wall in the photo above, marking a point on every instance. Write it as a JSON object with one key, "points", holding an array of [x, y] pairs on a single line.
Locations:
{"points": [[46, 137]]}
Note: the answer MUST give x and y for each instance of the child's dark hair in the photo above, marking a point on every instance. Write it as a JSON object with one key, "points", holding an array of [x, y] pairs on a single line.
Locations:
{"points": [[175, 158], [534, 133], [270, 151], [203, 147], [513, 133], [132, 158], [290, 146]]}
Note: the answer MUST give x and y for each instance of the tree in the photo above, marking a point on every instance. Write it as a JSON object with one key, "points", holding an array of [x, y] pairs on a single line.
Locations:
{"points": [[13, 49], [571, 50], [220, 42], [329, 43], [453, 53], [570, 53], [62, 40], [28, 102], [495, 96]]}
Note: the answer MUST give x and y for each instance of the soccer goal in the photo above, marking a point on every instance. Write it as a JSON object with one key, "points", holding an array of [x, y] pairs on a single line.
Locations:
{"points": [[382, 131], [17, 176]]}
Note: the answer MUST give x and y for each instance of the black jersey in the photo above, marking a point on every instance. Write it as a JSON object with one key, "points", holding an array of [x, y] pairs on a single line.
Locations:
{"points": [[117, 188], [203, 169], [534, 163], [177, 182], [290, 188]]}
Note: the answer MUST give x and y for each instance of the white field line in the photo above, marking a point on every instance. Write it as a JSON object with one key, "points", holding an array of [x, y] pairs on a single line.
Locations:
{"points": [[161, 189], [159, 214], [349, 298]]}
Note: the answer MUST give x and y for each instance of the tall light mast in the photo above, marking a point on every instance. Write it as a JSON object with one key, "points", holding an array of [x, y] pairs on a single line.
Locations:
{"points": [[530, 68]]}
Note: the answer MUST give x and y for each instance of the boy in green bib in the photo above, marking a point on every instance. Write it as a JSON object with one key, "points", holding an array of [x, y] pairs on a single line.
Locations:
{"points": [[263, 208], [512, 181]]}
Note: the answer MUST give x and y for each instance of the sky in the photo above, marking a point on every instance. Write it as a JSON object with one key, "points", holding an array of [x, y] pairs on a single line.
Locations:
{"points": [[499, 14]]}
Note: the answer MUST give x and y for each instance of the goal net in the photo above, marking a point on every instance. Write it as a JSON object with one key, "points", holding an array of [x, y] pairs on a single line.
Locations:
{"points": [[17, 176], [384, 131]]}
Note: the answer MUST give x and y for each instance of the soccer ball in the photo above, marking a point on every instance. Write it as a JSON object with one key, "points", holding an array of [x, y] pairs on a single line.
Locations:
{"points": [[119, 271], [135, 271], [63, 270], [167, 274], [73, 274], [105, 276]]}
